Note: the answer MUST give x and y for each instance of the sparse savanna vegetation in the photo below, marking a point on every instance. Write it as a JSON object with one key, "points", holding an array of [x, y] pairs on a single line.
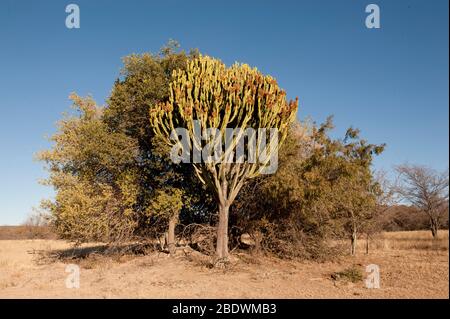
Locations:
{"points": [[412, 265], [140, 224]]}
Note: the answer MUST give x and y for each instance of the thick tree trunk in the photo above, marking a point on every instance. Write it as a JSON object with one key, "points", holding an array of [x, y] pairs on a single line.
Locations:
{"points": [[171, 234], [434, 228], [222, 232], [353, 239]]}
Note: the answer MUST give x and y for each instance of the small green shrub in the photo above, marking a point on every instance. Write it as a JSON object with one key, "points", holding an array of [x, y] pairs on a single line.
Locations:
{"points": [[352, 274]]}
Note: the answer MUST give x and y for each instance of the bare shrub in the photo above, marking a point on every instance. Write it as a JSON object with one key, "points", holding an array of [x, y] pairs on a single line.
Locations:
{"points": [[37, 218], [200, 237], [26, 232], [286, 239]]}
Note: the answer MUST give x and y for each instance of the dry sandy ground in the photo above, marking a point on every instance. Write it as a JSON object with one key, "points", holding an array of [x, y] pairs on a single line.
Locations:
{"points": [[404, 274]]}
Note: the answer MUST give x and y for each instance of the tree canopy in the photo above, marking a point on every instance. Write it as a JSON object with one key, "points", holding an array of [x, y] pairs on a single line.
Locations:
{"points": [[115, 179]]}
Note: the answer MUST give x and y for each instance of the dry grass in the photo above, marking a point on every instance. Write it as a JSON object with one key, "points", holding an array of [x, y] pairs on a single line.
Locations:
{"points": [[26, 232], [407, 240], [412, 265]]}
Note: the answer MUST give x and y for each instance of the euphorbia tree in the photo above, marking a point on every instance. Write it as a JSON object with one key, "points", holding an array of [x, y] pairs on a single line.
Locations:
{"points": [[220, 98]]}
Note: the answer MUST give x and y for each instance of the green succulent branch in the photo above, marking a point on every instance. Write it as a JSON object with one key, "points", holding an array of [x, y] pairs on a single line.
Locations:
{"points": [[224, 97]]}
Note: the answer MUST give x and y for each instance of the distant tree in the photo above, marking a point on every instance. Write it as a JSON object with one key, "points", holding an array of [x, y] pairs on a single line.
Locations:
{"points": [[347, 184], [403, 218], [220, 98], [426, 189], [384, 193], [38, 218]]}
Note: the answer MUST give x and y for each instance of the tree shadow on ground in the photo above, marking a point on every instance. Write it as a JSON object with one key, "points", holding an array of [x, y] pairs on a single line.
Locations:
{"points": [[78, 253]]}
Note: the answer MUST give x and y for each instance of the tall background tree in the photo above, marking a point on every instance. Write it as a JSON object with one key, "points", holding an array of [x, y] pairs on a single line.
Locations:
{"points": [[105, 161], [358, 190], [145, 83]]}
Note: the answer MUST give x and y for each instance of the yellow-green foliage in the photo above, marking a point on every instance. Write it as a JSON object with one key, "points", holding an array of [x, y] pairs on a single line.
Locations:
{"points": [[91, 170], [166, 202], [221, 97]]}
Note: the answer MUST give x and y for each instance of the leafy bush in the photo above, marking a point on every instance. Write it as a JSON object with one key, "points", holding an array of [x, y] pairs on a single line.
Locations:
{"points": [[352, 274]]}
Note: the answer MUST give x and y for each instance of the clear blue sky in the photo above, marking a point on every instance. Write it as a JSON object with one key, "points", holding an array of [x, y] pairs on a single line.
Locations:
{"points": [[390, 82]]}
